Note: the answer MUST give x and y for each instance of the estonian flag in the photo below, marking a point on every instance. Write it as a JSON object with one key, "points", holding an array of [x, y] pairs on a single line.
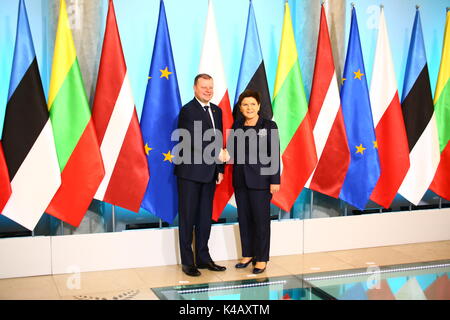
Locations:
{"points": [[420, 120], [252, 73], [28, 136]]}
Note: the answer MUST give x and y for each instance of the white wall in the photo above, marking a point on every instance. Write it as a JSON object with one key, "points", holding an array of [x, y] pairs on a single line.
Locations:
{"points": [[33, 256]]}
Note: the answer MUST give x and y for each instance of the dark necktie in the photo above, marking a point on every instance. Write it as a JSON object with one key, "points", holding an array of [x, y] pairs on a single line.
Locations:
{"points": [[206, 108]]}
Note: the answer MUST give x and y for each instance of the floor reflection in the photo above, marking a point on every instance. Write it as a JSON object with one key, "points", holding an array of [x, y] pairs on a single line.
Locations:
{"points": [[420, 281]]}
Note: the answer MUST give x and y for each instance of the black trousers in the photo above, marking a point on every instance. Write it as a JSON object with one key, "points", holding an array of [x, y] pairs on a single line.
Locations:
{"points": [[253, 207], [195, 200]]}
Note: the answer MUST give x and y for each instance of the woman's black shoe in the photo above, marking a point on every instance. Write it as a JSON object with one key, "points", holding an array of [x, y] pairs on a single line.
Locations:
{"points": [[258, 270], [241, 265]]}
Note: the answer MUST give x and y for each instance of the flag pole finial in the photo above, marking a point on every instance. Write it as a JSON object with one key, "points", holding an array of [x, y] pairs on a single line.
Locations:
{"points": [[448, 9], [381, 6], [417, 7], [353, 5]]}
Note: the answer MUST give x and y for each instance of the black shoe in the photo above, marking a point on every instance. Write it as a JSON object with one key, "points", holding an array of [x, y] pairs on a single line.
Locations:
{"points": [[211, 266], [257, 270], [241, 265], [191, 270]]}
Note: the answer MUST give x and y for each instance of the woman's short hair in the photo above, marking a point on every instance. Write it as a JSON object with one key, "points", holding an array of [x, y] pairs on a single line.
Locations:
{"points": [[249, 94]]}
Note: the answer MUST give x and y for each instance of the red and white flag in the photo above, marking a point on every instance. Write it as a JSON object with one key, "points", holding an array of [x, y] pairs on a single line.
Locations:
{"points": [[117, 126], [211, 63], [327, 120], [392, 141], [5, 186]]}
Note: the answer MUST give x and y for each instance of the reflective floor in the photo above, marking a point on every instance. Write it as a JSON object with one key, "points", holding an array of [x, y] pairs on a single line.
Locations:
{"points": [[418, 281], [277, 288], [320, 275]]}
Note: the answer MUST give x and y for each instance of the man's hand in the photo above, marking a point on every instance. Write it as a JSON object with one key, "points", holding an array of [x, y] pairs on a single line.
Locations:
{"points": [[219, 178], [274, 188]]}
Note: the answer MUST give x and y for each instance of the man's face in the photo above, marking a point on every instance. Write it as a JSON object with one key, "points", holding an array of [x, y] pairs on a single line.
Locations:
{"points": [[204, 89]]}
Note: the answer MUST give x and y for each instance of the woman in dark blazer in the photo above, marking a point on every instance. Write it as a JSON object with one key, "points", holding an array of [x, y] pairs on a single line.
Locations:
{"points": [[254, 149]]}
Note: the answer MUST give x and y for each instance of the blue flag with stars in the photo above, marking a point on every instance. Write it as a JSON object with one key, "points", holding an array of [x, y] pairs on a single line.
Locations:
{"points": [[364, 168], [159, 119]]}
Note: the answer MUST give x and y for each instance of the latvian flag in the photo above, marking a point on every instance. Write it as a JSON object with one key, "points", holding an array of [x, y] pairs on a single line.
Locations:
{"points": [[327, 120], [117, 126]]}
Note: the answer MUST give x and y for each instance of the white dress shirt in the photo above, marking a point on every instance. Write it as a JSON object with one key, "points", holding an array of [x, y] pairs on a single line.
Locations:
{"points": [[209, 111]]}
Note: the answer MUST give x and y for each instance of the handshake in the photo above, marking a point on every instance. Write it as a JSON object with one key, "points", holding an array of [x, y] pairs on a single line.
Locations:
{"points": [[224, 156]]}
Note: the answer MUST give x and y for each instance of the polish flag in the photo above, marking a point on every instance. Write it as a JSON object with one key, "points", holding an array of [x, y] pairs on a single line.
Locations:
{"points": [[392, 142], [5, 185], [117, 126], [211, 63]]}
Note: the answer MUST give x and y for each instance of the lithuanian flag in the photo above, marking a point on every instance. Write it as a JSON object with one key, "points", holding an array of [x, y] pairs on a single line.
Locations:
{"points": [[290, 112], [441, 182], [76, 142]]}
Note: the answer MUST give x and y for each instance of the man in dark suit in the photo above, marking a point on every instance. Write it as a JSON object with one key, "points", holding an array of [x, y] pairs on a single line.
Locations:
{"points": [[197, 176]]}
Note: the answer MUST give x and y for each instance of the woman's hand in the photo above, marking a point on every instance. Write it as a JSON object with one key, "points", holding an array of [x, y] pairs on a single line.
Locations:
{"points": [[224, 156], [274, 188]]}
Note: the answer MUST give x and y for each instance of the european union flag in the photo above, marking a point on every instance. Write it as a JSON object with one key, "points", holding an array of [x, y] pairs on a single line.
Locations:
{"points": [[364, 169], [159, 118]]}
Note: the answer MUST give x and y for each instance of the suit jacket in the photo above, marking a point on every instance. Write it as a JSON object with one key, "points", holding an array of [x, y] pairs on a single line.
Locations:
{"points": [[254, 176], [195, 167]]}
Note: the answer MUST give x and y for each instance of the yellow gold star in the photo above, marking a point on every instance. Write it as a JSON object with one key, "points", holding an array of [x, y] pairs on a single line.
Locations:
{"points": [[343, 79], [168, 156], [147, 148], [358, 74], [360, 149], [375, 144], [165, 73], [149, 78]]}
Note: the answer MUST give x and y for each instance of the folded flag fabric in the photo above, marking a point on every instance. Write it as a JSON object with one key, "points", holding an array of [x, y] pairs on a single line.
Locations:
{"points": [[211, 63], [159, 119], [77, 147], [117, 126], [387, 114], [290, 112], [5, 186], [327, 120], [28, 139], [420, 120], [441, 181], [364, 169]]}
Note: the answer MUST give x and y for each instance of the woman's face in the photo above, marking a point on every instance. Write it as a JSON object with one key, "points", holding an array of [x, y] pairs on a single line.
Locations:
{"points": [[249, 108]]}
